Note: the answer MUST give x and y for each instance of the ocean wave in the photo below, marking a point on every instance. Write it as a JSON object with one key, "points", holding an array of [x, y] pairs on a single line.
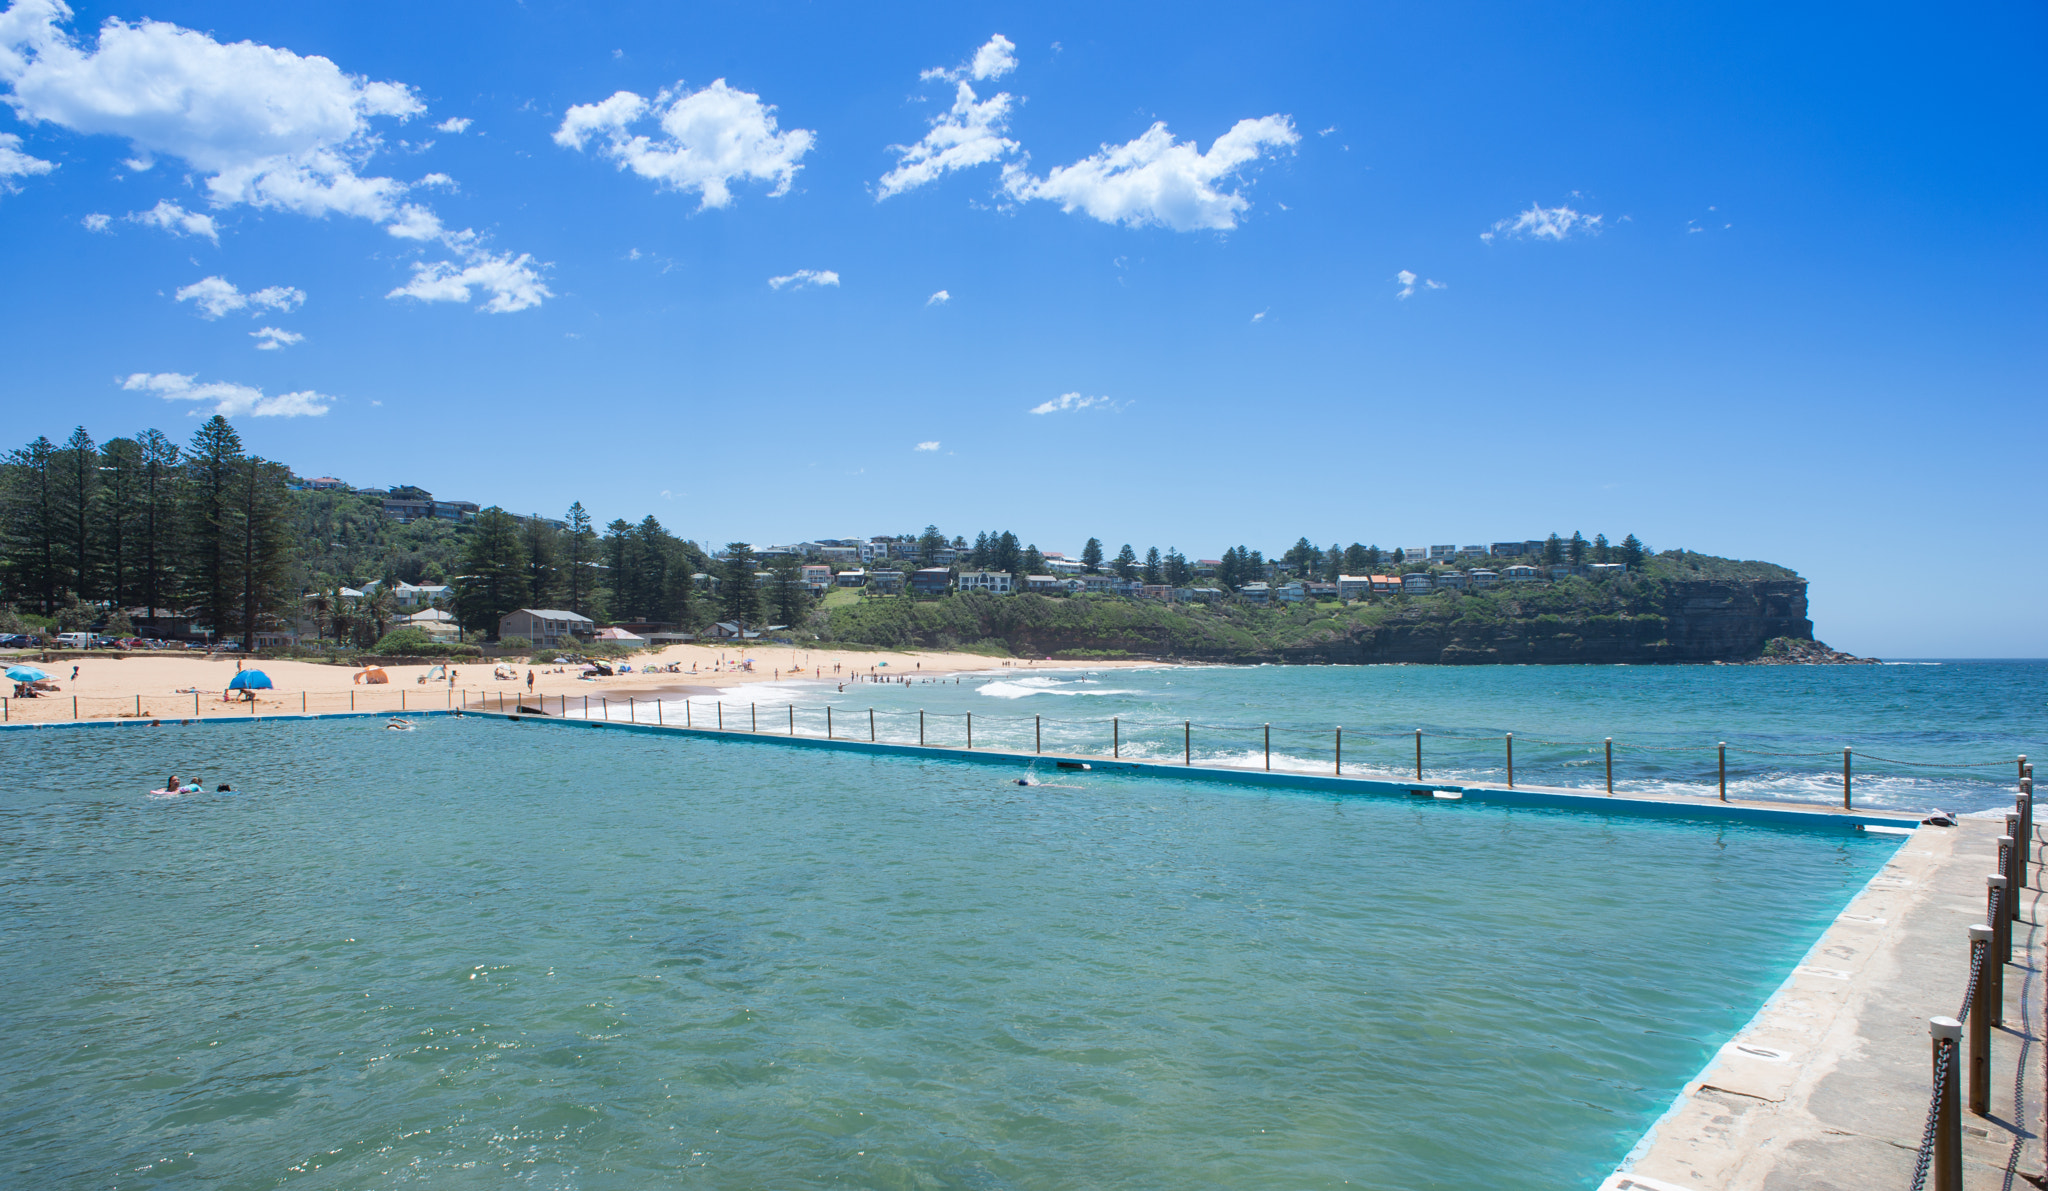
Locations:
{"points": [[1019, 688]]}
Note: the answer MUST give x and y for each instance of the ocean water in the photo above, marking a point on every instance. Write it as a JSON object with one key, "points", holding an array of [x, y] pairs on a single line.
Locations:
{"points": [[483, 954], [1785, 726]]}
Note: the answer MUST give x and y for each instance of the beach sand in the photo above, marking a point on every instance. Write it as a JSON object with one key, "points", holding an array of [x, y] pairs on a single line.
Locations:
{"points": [[185, 684]]}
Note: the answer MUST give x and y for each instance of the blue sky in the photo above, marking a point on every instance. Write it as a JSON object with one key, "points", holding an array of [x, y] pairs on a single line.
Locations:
{"points": [[1749, 280]]}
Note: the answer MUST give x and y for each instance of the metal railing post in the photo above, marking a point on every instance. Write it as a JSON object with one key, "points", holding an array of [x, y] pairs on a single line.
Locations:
{"points": [[1418, 754], [1845, 777], [1948, 1117], [632, 711], [920, 727], [1980, 1023], [828, 721], [753, 717], [689, 720], [719, 704], [1511, 760], [658, 721], [792, 719], [1116, 737], [1187, 742], [871, 725], [1610, 767], [1722, 749], [1269, 746], [970, 730], [1037, 733], [1340, 750]]}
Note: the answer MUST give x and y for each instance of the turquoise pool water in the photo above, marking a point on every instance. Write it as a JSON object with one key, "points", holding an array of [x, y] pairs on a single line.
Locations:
{"points": [[483, 951]]}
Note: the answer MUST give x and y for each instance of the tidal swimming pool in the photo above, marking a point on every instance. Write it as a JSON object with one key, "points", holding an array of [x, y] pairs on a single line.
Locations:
{"points": [[592, 959]]}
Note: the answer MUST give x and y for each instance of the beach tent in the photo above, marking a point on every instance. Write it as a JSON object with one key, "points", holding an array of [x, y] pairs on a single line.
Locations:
{"points": [[619, 635], [249, 680], [25, 674], [373, 675]]}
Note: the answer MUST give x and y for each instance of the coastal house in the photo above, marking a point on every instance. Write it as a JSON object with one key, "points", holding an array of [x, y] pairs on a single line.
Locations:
{"points": [[992, 582], [1198, 595], [1414, 553], [614, 635], [727, 630], [1386, 584], [1450, 581], [1563, 571], [1443, 553], [817, 576], [935, 581], [435, 621], [545, 626], [1320, 590], [1098, 584], [1155, 591], [886, 582], [1042, 583], [1507, 549], [1481, 580], [1520, 573], [1291, 593], [1605, 570], [1416, 583], [407, 595], [1354, 587], [406, 504], [1255, 593], [1207, 567], [1471, 552], [1063, 566], [851, 578]]}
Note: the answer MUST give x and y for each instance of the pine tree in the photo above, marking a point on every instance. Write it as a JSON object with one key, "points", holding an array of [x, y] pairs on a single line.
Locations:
{"points": [[119, 515], [579, 552], [494, 581], [979, 559], [1032, 563], [1333, 562], [543, 563], [1602, 552], [1154, 572], [1007, 556], [1553, 550], [1091, 557], [1178, 572], [208, 515], [160, 537], [1228, 569], [1575, 550], [1126, 563], [929, 543], [650, 558], [1358, 560], [737, 593], [78, 482], [1373, 559], [1632, 552], [264, 544], [1400, 556], [617, 547], [791, 600], [33, 524]]}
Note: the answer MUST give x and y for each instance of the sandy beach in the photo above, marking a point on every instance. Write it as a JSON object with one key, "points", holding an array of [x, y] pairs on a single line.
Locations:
{"points": [[183, 684]]}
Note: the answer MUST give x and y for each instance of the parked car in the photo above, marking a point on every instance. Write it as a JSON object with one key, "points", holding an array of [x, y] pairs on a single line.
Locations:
{"points": [[17, 641], [76, 640]]}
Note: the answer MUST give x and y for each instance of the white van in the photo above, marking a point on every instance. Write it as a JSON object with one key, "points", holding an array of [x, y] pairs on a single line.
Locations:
{"points": [[76, 640]]}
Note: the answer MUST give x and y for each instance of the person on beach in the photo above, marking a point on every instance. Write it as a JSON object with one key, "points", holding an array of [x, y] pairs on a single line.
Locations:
{"points": [[529, 682], [74, 674]]}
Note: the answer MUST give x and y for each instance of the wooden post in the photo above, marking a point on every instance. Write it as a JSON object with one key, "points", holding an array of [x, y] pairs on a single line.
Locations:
{"points": [[657, 711], [1722, 750], [1948, 1118], [1269, 746], [1511, 760], [1037, 733], [871, 725], [1116, 738], [792, 719], [138, 704], [1610, 767], [632, 711], [74, 707], [1340, 750], [2015, 864], [828, 721], [2001, 940], [689, 719], [720, 705], [2023, 765], [753, 717], [1418, 754], [970, 730], [1187, 742], [401, 698], [1845, 777], [920, 727], [1980, 1024]]}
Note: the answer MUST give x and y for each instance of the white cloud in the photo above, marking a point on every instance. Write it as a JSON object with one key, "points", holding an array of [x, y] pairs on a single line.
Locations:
{"points": [[939, 299], [1156, 180], [454, 124], [513, 283], [928, 446], [271, 339], [227, 399], [96, 222], [436, 180], [216, 296], [713, 137], [804, 277], [969, 134], [262, 125], [1259, 317], [993, 60], [1408, 280], [1543, 223], [266, 126], [177, 220], [1070, 401], [16, 164]]}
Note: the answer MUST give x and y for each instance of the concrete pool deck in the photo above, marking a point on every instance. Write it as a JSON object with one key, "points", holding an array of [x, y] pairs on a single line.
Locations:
{"points": [[1827, 1087]]}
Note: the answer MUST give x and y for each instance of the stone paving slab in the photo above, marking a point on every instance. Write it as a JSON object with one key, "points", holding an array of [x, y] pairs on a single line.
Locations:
{"points": [[1827, 1088]]}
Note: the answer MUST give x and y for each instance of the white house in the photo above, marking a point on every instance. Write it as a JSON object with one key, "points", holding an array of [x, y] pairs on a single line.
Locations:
{"points": [[1292, 593], [1063, 566], [1354, 587], [1607, 569], [1416, 583], [1450, 581], [545, 626], [817, 576], [852, 579], [992, 582], [1520, 573], [1482, 580], [1443, 552], [1255, 593], [1099, 584], [1414, 553]]}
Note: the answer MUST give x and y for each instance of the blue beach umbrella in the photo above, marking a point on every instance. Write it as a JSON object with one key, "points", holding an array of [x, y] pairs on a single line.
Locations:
{"points": [[250, 680], [25, 674]]}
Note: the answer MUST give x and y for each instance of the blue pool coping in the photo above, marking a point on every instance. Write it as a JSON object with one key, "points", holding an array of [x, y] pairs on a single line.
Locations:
{"points": [[1477, 794]]}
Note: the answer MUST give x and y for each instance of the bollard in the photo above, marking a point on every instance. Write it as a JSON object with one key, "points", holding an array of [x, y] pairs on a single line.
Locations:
{"points": [[1269, 747], [604, 707], [1994, 910], [753, 717], [792, 719], [1187, 742], [1418, 754], [1116, 737], [920, 725], [1610, 767], [828, 721], [658, 722], [1845, 777], [1723, 750], [970, 730], [1980, 1024], [2014, 865], [871, 725], [1037, 733], [2023, 765], [74, 705], [1948, 1117], [632, 711], [688, 720], [1340, 750], [1511, 760], [720, 705], [401, 698]]}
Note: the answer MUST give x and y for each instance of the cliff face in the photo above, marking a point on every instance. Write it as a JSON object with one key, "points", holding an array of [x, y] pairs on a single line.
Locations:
{"points": [[1693, 621]]}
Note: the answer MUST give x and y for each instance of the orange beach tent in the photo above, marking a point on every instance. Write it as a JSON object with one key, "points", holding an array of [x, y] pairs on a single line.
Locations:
{"points": [[373, 675]]}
